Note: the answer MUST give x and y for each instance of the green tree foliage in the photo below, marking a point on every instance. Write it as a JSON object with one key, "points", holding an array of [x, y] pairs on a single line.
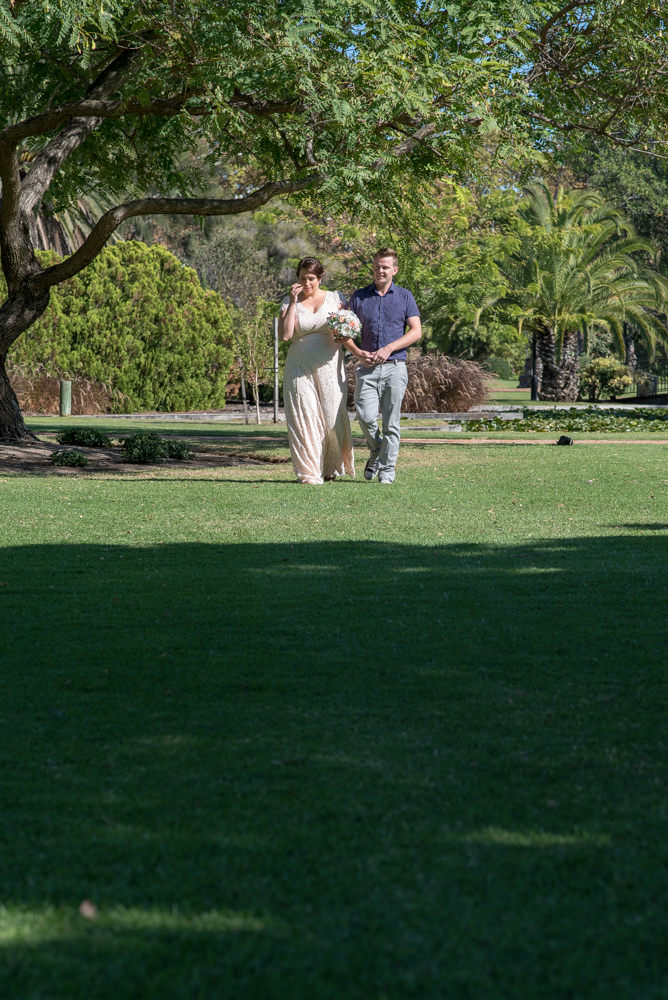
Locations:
{"points": [[244, 257], [448, 257], [579, 268], [346, 99], [636, 181], [605, 377], [139, 320]]}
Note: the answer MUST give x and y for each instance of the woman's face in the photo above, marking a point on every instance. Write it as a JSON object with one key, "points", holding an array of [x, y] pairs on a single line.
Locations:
{"points": [[309, 281]]}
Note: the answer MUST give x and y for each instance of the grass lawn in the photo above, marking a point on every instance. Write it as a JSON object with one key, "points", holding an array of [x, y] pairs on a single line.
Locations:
{"points": [[271, 741], [506, 391]]}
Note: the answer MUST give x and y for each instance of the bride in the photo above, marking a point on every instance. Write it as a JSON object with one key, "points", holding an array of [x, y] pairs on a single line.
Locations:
{"points": [[314, 383]]}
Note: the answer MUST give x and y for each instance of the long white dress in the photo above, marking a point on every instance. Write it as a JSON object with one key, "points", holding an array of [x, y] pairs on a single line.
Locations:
{"points": [[315, 396]]}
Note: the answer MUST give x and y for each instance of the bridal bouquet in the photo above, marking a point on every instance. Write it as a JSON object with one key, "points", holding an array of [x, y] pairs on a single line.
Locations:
{"points": [[344, 324]]}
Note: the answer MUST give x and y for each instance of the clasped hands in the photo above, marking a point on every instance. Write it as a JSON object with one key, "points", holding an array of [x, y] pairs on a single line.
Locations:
{"points": [[371, 358]]}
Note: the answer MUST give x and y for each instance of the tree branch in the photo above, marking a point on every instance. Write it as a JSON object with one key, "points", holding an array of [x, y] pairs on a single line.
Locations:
{"points": [[556, 17], [10, 177], [409, 144], [103, 109], [16, 249], [75, 131], [112, 219]]}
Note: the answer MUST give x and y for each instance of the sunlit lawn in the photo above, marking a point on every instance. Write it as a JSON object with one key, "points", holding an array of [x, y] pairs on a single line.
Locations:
{"points": [[507, 391], [337, 742]]}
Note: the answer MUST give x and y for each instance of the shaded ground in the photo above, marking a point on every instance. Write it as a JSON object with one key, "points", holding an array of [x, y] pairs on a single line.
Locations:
{"points": [[35, 457]]}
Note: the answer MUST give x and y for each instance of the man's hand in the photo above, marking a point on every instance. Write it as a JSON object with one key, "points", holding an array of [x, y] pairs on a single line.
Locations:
{"points": [[364, 357], [382, 354]]}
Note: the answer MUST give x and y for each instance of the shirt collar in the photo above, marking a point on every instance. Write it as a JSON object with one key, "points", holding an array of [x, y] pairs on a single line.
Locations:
{"points": [[376, 292]]}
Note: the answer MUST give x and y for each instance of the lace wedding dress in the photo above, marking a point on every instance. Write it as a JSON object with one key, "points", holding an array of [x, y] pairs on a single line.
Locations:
{"points": [[315, 395]]}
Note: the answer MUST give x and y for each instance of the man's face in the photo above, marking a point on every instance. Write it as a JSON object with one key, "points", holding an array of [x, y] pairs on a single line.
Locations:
{"points": [[384, 269]]}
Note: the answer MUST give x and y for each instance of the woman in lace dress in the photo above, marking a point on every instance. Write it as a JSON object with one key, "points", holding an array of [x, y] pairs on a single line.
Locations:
{"points": [[314, 384]]}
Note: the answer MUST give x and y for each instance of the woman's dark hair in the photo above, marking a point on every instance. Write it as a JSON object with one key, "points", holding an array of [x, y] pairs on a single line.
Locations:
{"points": [[311, 264]]}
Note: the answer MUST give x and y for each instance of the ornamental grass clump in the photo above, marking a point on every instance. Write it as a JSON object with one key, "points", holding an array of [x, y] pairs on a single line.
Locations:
{"points": [[441, 384], [148, 448], [38, 391], [446, 385]]}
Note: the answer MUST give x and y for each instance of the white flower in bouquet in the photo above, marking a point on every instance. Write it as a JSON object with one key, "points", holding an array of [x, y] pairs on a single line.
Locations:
{"points": [[344, 324]]}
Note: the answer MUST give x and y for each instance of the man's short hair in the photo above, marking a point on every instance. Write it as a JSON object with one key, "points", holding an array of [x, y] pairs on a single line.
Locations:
{"points": [[387, 252]]}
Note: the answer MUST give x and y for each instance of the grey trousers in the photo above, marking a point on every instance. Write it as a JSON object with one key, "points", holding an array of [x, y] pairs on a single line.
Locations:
{"points": [[381, 389]]}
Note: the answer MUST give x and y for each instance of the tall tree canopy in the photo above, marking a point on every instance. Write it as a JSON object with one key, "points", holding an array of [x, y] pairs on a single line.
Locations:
{"points": [[343, 97]]}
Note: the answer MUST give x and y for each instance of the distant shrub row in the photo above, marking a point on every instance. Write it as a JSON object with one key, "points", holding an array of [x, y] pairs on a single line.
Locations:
{"points": [[585, 420]]}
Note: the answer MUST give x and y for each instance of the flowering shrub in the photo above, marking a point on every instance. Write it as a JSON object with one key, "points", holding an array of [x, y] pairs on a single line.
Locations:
{"points": [[605, 377]]}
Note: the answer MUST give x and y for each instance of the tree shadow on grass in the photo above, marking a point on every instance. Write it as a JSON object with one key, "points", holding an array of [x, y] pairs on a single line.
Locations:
{"points": [[334, 769]]}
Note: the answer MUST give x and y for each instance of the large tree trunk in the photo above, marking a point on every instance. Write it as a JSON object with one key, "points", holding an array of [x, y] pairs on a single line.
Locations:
{"points": [[631, 358], [16, 316], [569, 364], [560, 380], [12, 427]]}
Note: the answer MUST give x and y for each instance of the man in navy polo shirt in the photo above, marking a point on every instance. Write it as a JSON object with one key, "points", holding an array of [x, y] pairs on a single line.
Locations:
{"points": [[390, 322]]}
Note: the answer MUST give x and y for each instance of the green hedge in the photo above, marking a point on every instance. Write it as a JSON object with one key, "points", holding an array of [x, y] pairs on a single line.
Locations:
{"points": [[140, 321]]}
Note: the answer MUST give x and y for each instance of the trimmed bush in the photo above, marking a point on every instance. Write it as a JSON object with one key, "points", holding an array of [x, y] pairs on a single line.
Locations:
{"points": [[69, 457], [85, 437], [590, 420], [605, 377], [137, 319], [148, 448]]}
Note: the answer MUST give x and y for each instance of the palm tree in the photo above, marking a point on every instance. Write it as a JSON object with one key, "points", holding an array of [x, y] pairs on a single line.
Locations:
{"points": [[580, 269]]}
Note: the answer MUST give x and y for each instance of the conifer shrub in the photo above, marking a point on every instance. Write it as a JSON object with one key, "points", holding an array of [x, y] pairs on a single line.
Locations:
{"points": [[139, 320]]}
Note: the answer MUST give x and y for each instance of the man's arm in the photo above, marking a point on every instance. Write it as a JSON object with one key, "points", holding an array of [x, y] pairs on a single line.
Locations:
{"points": [[411, 336], [364, 357]]}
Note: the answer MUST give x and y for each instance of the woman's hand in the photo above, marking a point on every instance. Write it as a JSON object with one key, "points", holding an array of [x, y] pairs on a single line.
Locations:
{"points": [[295, 292], [363, 357]]}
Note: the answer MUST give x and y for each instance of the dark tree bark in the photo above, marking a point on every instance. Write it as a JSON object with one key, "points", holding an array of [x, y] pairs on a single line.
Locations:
{"points": [[12, 427], [631, 358], [560, 379], [16, 315]]}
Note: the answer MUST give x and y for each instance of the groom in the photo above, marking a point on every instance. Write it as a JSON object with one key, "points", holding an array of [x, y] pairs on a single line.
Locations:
{"points": [[390, 322]]}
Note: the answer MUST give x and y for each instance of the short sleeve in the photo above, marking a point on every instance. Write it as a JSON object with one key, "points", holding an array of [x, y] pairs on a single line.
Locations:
{"points": [[339, 299], [285, 303], [411, 306]]}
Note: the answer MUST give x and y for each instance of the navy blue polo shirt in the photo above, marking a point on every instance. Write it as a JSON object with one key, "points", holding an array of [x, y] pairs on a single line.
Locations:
{"points": [[383, 317]]}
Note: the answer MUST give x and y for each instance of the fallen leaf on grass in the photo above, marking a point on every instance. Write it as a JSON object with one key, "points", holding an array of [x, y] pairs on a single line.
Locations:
{"points": [[88, 909]]}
